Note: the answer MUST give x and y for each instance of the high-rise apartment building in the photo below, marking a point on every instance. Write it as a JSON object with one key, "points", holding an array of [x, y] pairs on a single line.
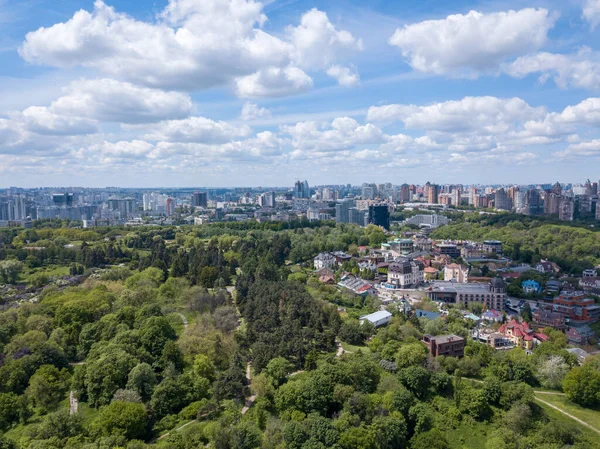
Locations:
{"points": [[432, 191], [501, 200], [301, 189], [379, 214], [342, 209]]}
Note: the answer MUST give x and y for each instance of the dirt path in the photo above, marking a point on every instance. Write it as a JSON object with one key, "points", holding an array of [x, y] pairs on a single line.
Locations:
{"points": [[73, 403], [251, 399], [583, 423], [185, 322]]}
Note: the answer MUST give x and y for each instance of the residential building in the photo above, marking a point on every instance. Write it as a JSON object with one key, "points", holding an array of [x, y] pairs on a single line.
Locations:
{"points": [[432, 194], [547, 267], [566, 209], [406, 274], [448, 249], [576, 307], [427, 221], [520, 334], [426, 314], [502, 201], [492, 247], [342, 210], [580, 354], [492, 316], [456, 273], [531, 286], [447, 345], [579, 335], [546, 318], [301, 190], [324, 260]]}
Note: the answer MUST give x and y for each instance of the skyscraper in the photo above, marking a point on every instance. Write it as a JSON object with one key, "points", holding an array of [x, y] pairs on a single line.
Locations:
{"points": [[432, 193], [379, 214], [200, 199], [301, 189], [501, 200], [342, 209]]}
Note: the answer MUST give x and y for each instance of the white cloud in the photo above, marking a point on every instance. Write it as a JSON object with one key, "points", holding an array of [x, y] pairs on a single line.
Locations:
{"points": [[591, 12], [194, 129], [42, 120], [484, 114], [582, 149], [108, 100], [274, 82], [344, 75], [580, 69], [194, 45], [466, 45], [318, 44], [122, 149], [251, 111]]}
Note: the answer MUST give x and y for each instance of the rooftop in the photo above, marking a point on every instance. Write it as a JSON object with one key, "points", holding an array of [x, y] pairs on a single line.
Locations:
{"points": [[376, 316]]}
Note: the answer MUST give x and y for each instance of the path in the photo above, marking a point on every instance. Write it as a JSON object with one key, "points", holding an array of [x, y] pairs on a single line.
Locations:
{"points": [[185, 322], [583, 423], [176, 430], [251, 399], [73, 403]]}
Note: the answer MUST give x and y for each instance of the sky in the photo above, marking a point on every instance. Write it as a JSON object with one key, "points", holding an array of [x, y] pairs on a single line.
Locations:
{"points": [[220, 93]]}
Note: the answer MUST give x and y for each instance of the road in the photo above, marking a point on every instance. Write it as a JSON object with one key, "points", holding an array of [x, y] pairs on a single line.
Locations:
{"points": [[251, 399], [185, 322]]}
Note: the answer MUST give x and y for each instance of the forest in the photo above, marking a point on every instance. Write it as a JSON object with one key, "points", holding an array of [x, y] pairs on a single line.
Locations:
{"points": [[529, 239], [219, 336]]}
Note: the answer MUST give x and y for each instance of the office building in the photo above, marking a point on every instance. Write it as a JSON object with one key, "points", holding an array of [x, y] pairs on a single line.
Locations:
{"points": [[200, 199], [301, 190], [379, 215], [406, 274]]}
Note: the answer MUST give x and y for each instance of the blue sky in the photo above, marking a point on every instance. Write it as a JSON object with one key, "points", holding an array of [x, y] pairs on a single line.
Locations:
{"points": [[225, 93]]}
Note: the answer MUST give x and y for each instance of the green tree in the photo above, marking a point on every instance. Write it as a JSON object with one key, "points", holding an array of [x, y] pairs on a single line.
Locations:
{"points": [[47, 386], [278, 369], [433, 439], [582, 385], [123, 418], [142, 380], [9, 409], [411, 354], [204, 367], [10, 270]]}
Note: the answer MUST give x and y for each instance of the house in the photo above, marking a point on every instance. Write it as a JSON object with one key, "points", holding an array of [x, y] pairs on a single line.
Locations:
{"points": [[553, 286], [498, 341], [589, 283], [455, 272], [430, 273], [579, 335], [448, 345], [341, 257], [519, 333], [472, 317], [377, 319], [580, 354], [590, 273], [492, 316], [324, 260], [547, 318], [531, 286], [429, 315], [367, 265], [356, 285], [547, 267], [406, 274]]}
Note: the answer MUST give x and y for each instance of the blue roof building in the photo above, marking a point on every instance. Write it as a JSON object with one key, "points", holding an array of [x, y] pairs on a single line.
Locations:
{"points": [[430, 315], [531, 286]]}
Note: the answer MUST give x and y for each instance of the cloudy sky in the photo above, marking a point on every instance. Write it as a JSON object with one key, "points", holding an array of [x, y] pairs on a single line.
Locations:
{"points": [[226, 93]]}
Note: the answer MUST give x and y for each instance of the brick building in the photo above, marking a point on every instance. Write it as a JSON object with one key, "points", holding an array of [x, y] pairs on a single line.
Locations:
{"points": [[448, 345]]}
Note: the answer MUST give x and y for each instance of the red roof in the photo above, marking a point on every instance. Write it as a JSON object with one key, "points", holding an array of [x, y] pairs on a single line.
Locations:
{"points": [[540, 336]]}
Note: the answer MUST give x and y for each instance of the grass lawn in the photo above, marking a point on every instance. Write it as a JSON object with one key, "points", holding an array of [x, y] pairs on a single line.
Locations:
{"points": [[555, 415], [352, 348], [590, 416], [468, 435]]}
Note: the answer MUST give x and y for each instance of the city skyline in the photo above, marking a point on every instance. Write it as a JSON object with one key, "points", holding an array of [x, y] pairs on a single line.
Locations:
{"points": [[225, 94]]}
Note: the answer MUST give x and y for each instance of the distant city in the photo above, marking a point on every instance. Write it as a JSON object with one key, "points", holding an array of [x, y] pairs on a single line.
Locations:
{"points": [[362, 205]]}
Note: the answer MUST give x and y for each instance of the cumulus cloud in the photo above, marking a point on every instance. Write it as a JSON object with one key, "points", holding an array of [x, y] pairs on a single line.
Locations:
{"points": [[251, 111], [486, 114], [591, 12], [466, 45], [108, 100], [582, 149], [194, 129], [274, 82], [194, 45], [581, 69], [318, 44], [42, 120], [344, 75]]}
